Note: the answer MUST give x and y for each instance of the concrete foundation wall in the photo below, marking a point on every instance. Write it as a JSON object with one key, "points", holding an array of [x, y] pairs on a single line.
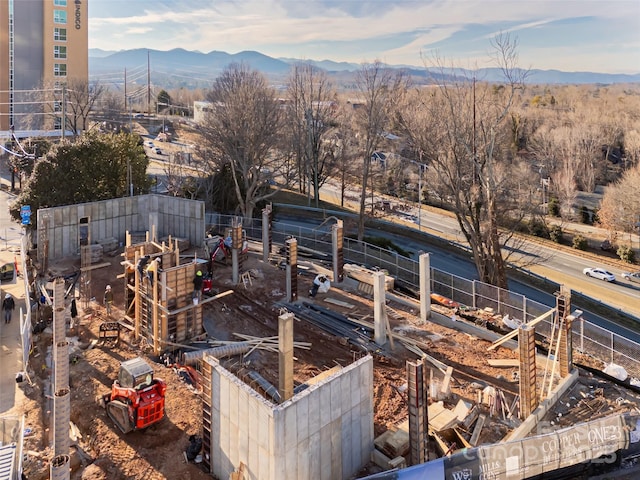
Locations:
{"points": [[173, 216], [323, 432]]}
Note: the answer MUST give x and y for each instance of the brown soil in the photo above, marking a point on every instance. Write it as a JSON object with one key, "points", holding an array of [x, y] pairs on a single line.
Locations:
{"points": [[157, 453]]}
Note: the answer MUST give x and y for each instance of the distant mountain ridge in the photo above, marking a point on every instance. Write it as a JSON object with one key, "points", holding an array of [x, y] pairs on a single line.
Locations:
{"points": [[180, 67]]}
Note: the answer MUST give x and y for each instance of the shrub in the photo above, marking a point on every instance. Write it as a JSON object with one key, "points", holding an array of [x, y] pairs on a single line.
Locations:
{"points": [[555, 234], [580, 243], [626, 254], [554, 207], [538, 228], [585, 215]]}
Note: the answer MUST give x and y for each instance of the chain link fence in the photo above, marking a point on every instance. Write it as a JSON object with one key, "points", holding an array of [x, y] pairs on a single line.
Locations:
{"points": [[588, 338]]}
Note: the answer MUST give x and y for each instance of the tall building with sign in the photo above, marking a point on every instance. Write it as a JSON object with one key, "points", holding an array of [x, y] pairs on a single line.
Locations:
{"points": [[43, 46]]}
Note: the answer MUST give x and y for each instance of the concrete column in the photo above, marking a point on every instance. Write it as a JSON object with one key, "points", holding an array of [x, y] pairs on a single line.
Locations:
{"points": [[425, 287], [285, 356], [565, 353], [379, 310], [60, 468], [291, 252], [236, 239], [337, 239], [266, 232], [61, 417], [418, 413], [59, 327], [528, 386], [61, 367]]}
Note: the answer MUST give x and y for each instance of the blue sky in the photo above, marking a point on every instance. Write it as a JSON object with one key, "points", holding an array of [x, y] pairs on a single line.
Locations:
{"points": [[569, 35]]}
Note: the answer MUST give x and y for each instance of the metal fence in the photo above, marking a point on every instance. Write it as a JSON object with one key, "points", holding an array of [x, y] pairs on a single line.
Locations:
{"points": [[588, 338]]}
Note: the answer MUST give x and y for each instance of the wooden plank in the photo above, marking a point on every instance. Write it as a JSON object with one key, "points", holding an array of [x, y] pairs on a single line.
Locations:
{"points": [[93, 267], [477, 430], [462, 410], [322, 375], [446, 383], [471, 417], [339, 303], [513, 333], [503, 362], [192, 305], [461, 439], [440, 418]]}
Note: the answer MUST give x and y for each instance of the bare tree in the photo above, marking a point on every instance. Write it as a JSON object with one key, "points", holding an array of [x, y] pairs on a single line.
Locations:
{"points": [[345, 150], [380, 90], [81, 97], [311, 116], [463, 130], [620, 208], [242, 129]]}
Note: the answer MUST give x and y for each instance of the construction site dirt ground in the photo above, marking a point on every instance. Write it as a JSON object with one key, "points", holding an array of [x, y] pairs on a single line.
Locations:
{"points": [[102, 452]]}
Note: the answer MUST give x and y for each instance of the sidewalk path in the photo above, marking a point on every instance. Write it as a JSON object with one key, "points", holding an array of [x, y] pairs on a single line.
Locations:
{"points": [[11, 397]]}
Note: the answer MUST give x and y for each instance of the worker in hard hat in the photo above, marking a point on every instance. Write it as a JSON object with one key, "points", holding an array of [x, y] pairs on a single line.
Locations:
{"points": [[108, 299], [153, 269], [197, 285]]}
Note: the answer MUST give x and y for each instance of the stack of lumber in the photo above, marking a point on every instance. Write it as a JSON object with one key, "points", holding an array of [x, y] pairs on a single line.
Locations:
{"points": [[441, 418], [365, 275], [391, 447], [395, 441]]}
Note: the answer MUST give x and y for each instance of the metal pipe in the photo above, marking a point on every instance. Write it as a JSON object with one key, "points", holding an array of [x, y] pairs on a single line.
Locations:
{"points": [[191, 358]]}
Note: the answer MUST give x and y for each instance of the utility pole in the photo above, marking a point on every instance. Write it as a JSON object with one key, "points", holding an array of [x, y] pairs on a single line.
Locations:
{"points": [[64, 110], [125, 89], [475, 173], [129, 173], [148, 85]]}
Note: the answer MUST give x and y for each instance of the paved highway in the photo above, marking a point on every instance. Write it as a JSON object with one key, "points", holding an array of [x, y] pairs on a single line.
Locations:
{"points": [[559, 264]]}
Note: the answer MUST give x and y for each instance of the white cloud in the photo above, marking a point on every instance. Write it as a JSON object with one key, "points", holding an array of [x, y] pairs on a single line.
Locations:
{"points": [[407, 27]]}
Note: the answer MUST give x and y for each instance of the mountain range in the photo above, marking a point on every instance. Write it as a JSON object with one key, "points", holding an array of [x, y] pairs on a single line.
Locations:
{"points": [[193, 69]]}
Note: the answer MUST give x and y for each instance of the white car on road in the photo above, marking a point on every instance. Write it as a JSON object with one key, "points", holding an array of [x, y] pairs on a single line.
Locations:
{"points": [[600, 274], [632, 276], [149, 144]]}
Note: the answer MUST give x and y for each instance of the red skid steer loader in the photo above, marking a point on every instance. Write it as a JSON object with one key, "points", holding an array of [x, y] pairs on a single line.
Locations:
{"points": [[136, 400]]}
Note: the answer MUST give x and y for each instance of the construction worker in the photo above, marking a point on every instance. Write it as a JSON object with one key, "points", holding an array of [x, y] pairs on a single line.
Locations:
{"points": [[108, 299], [153, 269], [142, 263], [8, 305], [322, 283], [197, 285]]}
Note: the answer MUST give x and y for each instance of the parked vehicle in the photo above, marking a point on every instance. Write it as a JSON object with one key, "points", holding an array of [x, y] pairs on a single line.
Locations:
{"points": [[157, 150], [632, 276], [606, 246], [600, 274], [149, 144]]}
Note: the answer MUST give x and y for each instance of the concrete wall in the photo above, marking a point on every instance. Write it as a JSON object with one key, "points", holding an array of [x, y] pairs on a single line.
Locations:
{"points": [[323, 432], [173, 216]]}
